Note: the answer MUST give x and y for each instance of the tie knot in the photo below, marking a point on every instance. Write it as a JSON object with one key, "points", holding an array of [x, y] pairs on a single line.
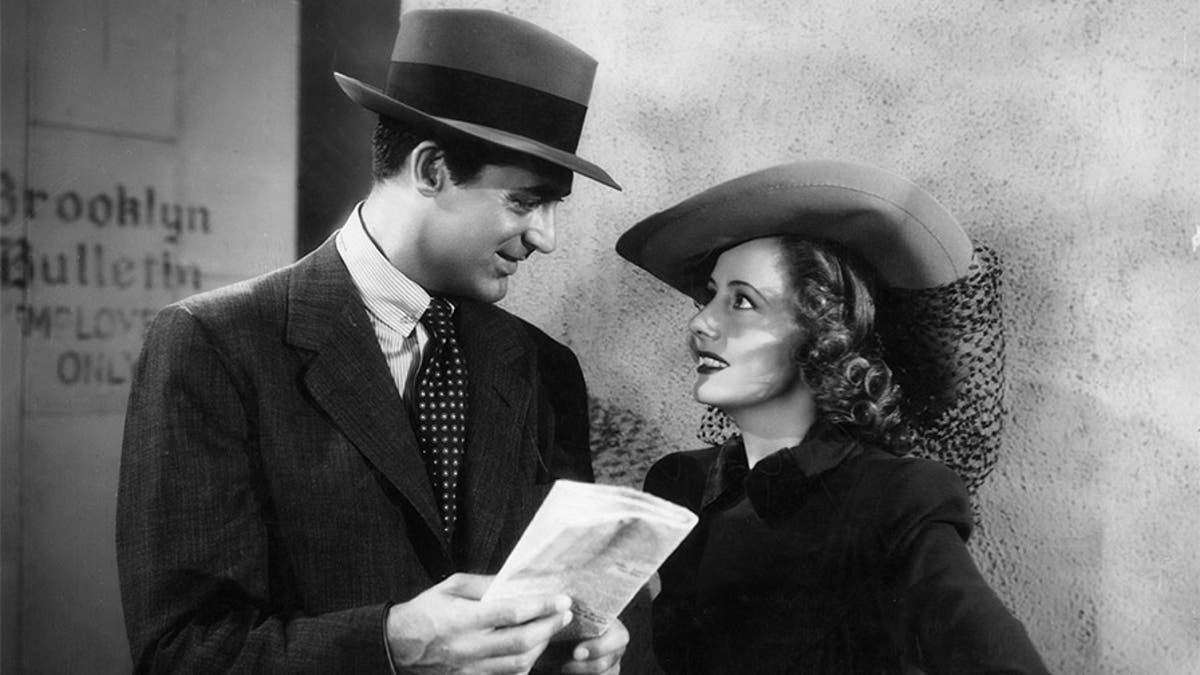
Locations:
{"points": [[437, 318]]}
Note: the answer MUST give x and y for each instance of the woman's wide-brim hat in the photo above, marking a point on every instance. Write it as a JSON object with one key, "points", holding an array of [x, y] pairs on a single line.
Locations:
{"points": [[938, 312], [489, 76], [899, 229]]}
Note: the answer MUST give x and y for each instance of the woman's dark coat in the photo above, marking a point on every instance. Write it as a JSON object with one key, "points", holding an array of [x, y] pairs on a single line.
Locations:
{"points": [[828, 557]]}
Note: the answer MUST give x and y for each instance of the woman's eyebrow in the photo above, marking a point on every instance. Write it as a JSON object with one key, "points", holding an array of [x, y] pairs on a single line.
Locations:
{"points": [[768, 296]]}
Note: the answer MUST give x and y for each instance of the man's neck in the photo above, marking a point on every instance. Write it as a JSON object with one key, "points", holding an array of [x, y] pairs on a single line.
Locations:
{"points": [[391, 214]]}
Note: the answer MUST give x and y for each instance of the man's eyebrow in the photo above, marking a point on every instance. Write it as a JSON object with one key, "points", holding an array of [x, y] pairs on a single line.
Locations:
{"points": [[545, 192]]}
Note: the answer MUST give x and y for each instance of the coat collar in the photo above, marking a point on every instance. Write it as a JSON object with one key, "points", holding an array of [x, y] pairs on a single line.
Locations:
{"points": [[347, 377], [779, 483]]}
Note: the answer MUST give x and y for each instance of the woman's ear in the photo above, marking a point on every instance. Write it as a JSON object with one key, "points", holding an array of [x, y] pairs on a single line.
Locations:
{"points": [[427, 166]]}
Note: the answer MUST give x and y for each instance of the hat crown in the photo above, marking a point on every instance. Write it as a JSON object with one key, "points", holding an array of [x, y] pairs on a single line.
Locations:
{"points": [[491, 77], [908, 238], [495, 45]]}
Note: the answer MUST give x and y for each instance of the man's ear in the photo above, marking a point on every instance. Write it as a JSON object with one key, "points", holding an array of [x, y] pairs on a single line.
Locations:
{"points": [[427, 166]]}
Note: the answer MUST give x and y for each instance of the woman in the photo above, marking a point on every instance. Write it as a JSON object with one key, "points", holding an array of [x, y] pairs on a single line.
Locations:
{"points": [[821, 548]]}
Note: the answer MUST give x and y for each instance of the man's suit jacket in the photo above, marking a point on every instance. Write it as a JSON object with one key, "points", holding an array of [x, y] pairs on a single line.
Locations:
{"points": [[273, 501]]}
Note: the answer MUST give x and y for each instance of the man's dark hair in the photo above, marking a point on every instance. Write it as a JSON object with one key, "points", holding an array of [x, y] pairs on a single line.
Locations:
{"points": [[465, 157]]}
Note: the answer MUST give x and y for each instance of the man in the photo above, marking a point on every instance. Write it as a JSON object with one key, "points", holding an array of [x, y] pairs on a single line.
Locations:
{"points": [[322, 465]]}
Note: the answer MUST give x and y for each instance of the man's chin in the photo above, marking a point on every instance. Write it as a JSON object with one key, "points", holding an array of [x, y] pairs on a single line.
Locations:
{"points": [[493, 290]]}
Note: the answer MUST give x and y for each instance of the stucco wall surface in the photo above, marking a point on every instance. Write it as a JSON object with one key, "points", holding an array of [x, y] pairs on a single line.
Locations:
{"points": [[1064, 134]]}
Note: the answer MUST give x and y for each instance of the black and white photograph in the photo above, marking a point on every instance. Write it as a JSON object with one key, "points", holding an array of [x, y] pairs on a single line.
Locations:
{"points": [[652, 337]]}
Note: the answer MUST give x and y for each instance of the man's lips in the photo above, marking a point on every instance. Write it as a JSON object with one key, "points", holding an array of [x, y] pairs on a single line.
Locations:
{"points": [[508, 263]]}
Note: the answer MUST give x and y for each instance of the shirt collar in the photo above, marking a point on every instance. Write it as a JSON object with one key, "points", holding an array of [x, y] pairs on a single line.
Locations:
{"points": [[389, 295], [779, 482]]}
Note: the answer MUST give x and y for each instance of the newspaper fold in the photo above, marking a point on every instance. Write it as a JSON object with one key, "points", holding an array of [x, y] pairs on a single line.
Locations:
{"points": [[596, 543]]}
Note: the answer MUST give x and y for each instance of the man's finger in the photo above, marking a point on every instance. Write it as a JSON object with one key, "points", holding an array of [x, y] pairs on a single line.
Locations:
{"points": [[523, 639], [516, 611], [464, 585], [601, 654], [614, 639], [604, 665], [516, 663]]}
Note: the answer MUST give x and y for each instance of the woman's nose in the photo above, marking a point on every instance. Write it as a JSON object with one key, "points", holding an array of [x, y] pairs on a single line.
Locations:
{"points": [[702, 324]]}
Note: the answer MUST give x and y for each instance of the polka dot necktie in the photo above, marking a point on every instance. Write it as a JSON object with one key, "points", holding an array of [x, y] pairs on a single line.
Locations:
{"points": [[441, 397]]}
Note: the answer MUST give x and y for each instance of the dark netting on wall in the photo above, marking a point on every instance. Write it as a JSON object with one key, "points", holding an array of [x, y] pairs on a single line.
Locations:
{"points": [[946, 348]]}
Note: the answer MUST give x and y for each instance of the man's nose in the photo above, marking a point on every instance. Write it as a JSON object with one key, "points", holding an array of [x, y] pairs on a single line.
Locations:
{"points": [[540, 235]]}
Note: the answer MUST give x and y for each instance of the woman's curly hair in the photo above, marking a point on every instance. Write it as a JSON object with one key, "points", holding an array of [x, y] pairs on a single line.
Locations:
{"points": [[839, 353]]}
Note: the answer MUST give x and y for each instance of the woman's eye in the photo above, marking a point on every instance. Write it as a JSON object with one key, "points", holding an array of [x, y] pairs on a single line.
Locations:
{"points": [[742, 302]]}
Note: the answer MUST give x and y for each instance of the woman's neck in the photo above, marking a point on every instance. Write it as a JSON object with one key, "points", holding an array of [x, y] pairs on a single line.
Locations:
{"points": [[765, 431]]}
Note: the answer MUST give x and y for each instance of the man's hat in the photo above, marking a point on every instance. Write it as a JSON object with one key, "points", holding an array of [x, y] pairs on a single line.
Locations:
{"points": [[894, 225], [489, 76]]}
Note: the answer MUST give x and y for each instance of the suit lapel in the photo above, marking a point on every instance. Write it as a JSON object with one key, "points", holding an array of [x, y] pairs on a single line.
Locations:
{"points": [[499, 390], [349, 379]]}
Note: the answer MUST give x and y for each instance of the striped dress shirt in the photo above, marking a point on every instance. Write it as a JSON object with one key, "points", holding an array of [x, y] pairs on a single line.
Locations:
{"points": [[394, 303]]}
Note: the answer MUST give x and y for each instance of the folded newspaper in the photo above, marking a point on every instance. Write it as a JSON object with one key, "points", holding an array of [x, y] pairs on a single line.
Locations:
{"points": [[596, 543]]}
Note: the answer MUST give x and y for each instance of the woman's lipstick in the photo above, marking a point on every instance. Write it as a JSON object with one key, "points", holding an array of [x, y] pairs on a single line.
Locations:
{"points": [[707, 362]]}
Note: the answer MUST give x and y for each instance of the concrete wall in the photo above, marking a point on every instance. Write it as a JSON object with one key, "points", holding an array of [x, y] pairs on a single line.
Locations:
{"points": [[148, 153], [1064, 134]]}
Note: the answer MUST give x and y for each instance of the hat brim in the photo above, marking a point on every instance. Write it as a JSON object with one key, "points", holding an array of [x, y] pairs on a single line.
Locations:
{"points": [[894, 225], [376, 101]]}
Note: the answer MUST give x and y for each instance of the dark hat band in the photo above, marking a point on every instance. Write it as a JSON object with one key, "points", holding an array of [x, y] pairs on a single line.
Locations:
{"points": [[470, 97]]}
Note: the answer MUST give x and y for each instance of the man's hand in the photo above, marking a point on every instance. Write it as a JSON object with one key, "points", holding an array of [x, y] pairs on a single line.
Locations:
{"points": [[599, 655], [447, 630]]}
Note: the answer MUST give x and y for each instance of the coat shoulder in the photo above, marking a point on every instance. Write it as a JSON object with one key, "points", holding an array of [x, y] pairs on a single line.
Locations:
{"points": [[913, 479], [260, 297], [680, 476], [919, 492], [495, 314], [553, 356]]}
